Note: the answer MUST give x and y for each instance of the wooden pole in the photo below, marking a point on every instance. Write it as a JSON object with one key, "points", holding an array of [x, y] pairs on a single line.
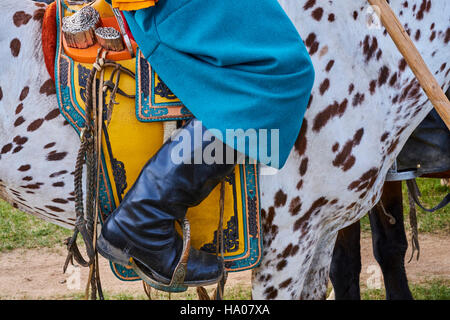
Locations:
{"points": [[414, 59]]}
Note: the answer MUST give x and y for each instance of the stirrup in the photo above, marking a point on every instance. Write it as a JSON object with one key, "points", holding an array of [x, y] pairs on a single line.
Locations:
{"points": [[177, 282]]}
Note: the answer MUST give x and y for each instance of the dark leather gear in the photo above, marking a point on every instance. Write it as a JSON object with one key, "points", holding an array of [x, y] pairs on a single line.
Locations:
{"points": [[428, 148], [143, 226]]}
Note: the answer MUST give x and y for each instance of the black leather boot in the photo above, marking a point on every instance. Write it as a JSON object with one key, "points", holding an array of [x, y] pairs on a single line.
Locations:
{"points": [[143, 226]]}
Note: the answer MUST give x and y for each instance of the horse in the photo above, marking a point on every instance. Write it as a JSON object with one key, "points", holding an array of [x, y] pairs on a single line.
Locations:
{"points": [[364, 105], [428, 146]]}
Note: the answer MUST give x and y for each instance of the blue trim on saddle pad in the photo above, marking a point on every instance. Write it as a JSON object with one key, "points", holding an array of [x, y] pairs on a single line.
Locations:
{"points": [[147, 108]]}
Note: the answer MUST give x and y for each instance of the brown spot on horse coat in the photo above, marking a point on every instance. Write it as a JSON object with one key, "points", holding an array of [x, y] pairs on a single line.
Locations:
{"points": [[271, 293], [285, 283], [24, 167], [383, 76], [36, 124], [1, 93], [372, 86], [48, 88], [311, 43], [38, 15], [295, 206], [56, 174], [61, 201], [309, 4], [58, 184], [56, 156], [402, 64], [424, 7], [393, 79], [49, 145], [329, 65], [33, 186], [55, 209], [19, 121], [324, 86], [52, 114], [369, 47], [280, 265], [6, 148], [366, 180], [393, 146], [15, 47], [280, 198], [24, 93], [19, 108], [358, 99], [447, 36], [300, 143], [20, 140], [344, 158], [21, 18], [303, 166], [333, 110], [302, 221], [317, 13]]}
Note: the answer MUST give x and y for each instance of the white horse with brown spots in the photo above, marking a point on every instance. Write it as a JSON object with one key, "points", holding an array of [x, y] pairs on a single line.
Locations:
{"points": [[365, 104]]}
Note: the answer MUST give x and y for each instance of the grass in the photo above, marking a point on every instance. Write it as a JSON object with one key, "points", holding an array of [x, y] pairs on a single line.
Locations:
{"points": [[238, 292], [436, 289], [432, 193], [21, 230]]}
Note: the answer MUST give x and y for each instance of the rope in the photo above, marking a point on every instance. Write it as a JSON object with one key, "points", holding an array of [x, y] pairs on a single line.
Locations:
{"points": [[414, 230], [380, 206], [89, 154], [413, 198], [413, 188]]}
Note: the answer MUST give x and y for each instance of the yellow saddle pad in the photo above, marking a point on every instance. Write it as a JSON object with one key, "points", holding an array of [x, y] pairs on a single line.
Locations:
{"points": [[136, 132]]}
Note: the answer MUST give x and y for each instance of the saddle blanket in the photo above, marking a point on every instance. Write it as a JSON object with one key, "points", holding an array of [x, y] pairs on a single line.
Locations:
{"points": [[136, 132]]}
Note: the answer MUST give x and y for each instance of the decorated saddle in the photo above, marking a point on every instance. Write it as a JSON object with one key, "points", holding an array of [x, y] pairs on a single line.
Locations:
{"points": [[134, 127]]}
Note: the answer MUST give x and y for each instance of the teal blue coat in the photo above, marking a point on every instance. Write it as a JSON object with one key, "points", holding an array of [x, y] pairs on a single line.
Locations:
{"points": [[235, 64]]}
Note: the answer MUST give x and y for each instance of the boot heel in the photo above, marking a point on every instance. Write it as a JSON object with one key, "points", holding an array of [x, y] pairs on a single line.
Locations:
{"points": [[112, 253]]}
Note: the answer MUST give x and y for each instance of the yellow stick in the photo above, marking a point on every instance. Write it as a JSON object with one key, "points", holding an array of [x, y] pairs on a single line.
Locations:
{"points": [[414, 59]]}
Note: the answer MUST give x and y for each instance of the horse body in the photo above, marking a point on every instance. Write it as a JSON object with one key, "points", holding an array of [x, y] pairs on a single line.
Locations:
{"points": [[364, 105]]}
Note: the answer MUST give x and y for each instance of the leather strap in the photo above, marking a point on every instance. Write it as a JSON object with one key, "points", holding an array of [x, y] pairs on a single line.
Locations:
{"points": [[415, 193]]}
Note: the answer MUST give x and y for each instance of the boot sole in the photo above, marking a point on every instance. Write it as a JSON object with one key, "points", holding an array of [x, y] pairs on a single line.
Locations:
{"points": [[156, 279], [107, 250]]}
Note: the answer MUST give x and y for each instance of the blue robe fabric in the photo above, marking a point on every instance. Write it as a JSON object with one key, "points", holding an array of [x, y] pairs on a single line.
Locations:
{"points": [[235, 64]]}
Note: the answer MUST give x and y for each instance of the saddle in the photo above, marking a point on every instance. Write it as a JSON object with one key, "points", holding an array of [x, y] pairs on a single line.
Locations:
{"points": [[138, 110]]}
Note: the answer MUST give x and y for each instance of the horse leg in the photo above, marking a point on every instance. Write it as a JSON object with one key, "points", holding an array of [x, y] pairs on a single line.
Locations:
{"points": [[346, 263], [316, 281], [390, 243]]}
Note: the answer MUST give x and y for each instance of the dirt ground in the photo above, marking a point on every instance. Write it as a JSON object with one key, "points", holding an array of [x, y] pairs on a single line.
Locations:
{"points": [[37, 274]]}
